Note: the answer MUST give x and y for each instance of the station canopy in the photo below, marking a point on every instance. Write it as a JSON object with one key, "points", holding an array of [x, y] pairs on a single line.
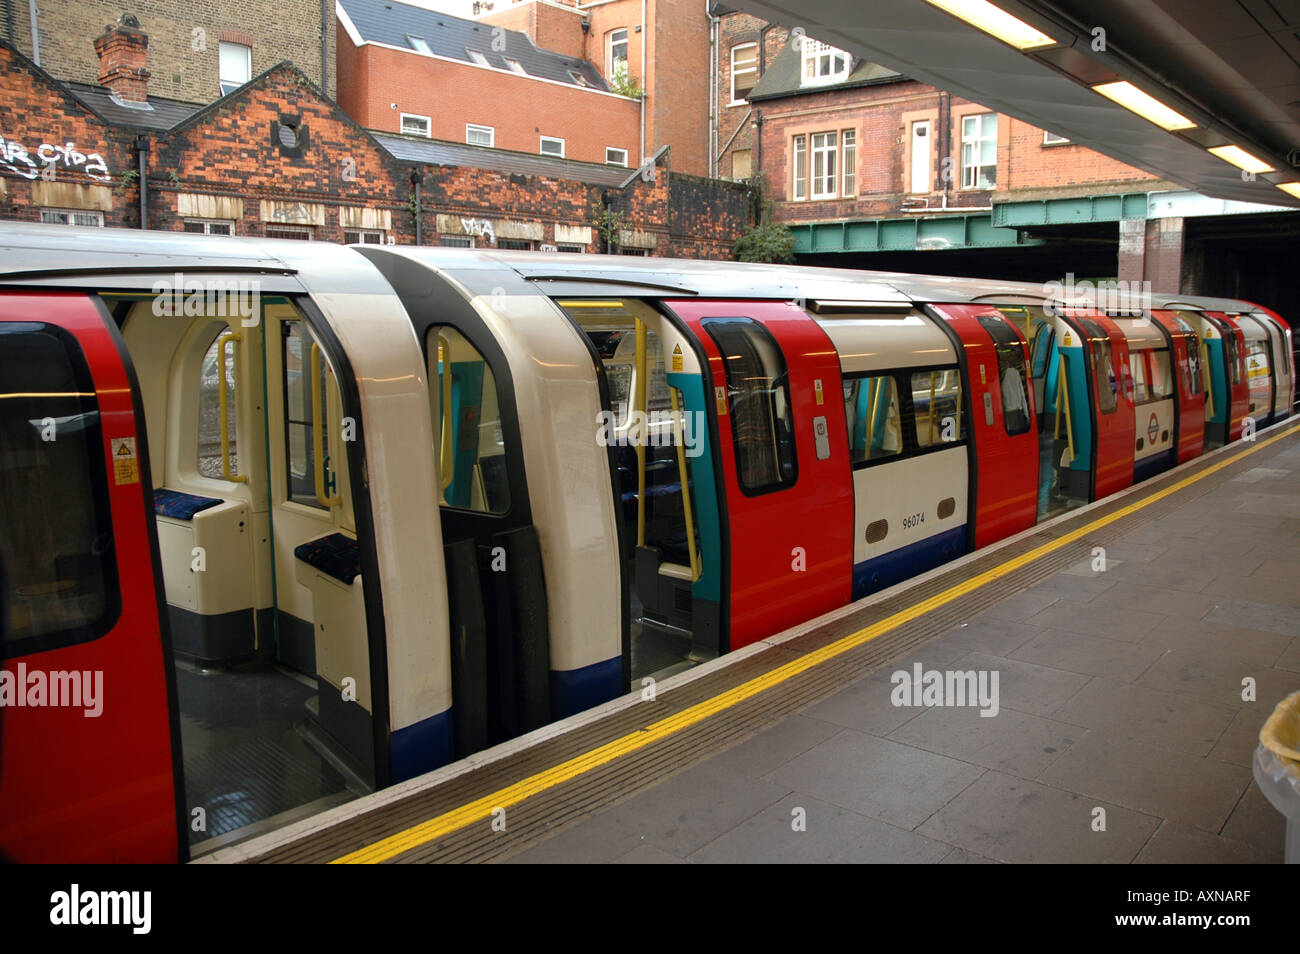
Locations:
{"points": [[1157, 84]]}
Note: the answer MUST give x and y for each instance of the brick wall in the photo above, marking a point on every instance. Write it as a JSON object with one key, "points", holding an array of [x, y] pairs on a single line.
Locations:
{"points": [[1026, 163], [736, 29], [183, 39], [232, 156], [550, 26], [677, 115], [520, 110]]}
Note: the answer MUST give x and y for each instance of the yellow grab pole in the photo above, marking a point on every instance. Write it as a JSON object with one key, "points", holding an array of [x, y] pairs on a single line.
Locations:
{"points": [[686, 490], [446, 461], [317, 433], [639, 404], [233, 337]]}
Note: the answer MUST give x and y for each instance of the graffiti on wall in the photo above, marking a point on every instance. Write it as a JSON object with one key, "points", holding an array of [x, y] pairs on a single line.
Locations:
{"points": [[48, 158]]}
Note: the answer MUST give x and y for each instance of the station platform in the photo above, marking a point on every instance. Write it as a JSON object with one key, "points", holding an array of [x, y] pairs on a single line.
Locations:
{"points": [[1124, 724]]}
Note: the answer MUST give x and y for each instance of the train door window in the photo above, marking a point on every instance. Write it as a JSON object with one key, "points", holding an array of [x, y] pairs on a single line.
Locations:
{"points": [[1011, 375], [1162, 379], [300, 405], [56, 531], [1103, 369], [1138, 366], [758, 399], [470, 444], [217, 372], [1230, 347], [871, 411], [936, 404]]}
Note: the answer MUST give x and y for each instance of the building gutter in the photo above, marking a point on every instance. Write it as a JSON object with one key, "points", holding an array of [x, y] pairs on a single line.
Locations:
{"points": [[36, 30], [645, 79], [142, 177], [324, 47]]}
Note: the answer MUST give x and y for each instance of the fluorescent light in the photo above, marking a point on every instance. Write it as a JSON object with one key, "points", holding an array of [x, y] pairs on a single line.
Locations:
{"points": [[1241, 159], [1148, 107], [1290, 188], [995, 22]]}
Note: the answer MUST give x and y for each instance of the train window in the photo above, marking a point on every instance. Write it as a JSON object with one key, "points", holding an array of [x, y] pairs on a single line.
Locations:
{"points": [[1011, 374], [1234, 361], [56, 531], [214, 375], [299, 425], [872, 413], [936, 403], [1103, 369], [469, 440], [1162, 379], [1138, 365], [758, 399]]}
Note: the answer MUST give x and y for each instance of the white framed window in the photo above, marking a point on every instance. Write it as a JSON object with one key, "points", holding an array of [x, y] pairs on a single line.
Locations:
{"points": [[799, 163], [823, 165], [615, 156], [849, 147], [364, 237], [516, 245], [643, 252], [744, 71], [822, 63], [235, 66], [418, 44], [303, 233], [413, 125], [616, 53], [571, 247], [477, 135], [578, 78], [516, 66], [979, 151], [552, 147], [455, 241], [1052, 139], [71, 217], [476, 57], [210, 226]]}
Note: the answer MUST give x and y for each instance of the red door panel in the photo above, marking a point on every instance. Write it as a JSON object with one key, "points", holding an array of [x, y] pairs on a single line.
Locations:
{"points": [[791, 549], [1238, 379], [1006, 490], [1189, 391], [93, 778], [1115, 432]]}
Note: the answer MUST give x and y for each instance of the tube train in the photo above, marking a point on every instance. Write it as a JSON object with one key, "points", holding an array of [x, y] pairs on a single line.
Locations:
{"points": [[448, 496]]}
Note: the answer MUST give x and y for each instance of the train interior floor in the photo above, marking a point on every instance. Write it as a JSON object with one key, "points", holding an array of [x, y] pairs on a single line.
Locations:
{"points": [[248, 764], [1122, 690]]}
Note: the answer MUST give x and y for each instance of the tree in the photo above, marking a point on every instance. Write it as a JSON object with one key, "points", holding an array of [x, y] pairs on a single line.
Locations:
{"points": [[766, 243]]}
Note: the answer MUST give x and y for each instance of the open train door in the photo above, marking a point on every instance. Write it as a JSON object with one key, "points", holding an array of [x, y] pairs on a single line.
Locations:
{"points": [[784, 458], [89, 754]]}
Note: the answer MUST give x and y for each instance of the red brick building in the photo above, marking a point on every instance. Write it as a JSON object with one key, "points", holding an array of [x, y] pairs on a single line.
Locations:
{"points": [[277, 158], [872, 169], [660, 47]]}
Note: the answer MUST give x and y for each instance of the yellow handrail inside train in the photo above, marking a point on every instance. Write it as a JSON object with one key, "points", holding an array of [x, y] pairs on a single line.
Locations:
{"points": [[446, 454], [233, 337], [317, 431], [639, 420], [686, 490]]}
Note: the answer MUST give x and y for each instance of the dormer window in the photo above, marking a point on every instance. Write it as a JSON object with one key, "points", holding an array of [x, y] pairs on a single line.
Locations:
{"points": [[477, 57], [418, 44], [823, 64], [516, 66]]}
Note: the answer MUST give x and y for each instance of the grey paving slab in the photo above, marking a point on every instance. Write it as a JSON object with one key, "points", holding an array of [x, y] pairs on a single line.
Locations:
{"points": [[865, 705], [1013, 742], [1016, 820], [591, 841], [1168, 720], [1024, 686], [1218, 679], [1218, 639], [1283, 571], [960, 856], [1076, 587], [1237, 746], [1219, 545], [1105, 562], [1192, 577], [1190, 790], [829, 834], [1269, 506], [649, 855], [988, 634], [1267, 616], [1176, 603], [1097, 619], [1290, 658], [1254, 588], [1089, 655], [775, 745], [1178, 844], [690, 809], [1258, 823], [886, 780], [1023, 605]]}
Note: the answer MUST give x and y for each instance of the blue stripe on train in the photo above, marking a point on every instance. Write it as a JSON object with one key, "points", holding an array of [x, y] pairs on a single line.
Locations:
{"points": [[1155, 464], [872, 576], [422, 747], [574, 690]]}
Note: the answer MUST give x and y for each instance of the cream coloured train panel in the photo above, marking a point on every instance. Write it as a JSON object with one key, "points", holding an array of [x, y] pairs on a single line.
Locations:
{"points": [[888, 341], [907, 495]]}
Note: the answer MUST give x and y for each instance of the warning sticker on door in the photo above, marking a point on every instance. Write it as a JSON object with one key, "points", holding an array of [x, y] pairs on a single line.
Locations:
{"points": [[677, 357], [126, 469], [720, 395], [817, 391]]}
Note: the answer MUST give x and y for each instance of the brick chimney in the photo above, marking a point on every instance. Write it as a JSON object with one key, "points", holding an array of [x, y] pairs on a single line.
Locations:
{"points": [[122, 52]]}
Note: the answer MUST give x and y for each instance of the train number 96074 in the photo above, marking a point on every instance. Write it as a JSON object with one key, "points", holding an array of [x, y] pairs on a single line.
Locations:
{"points": [[915, 520]]}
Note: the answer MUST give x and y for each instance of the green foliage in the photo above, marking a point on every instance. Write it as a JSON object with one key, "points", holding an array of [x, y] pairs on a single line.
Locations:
{"points": [[171, 174], [766, 243], [607, 222], [626, 85], [129, 177]]}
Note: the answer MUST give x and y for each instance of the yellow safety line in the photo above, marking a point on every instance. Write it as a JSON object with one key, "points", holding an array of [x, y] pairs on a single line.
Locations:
{"points": [[482, 808]]}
